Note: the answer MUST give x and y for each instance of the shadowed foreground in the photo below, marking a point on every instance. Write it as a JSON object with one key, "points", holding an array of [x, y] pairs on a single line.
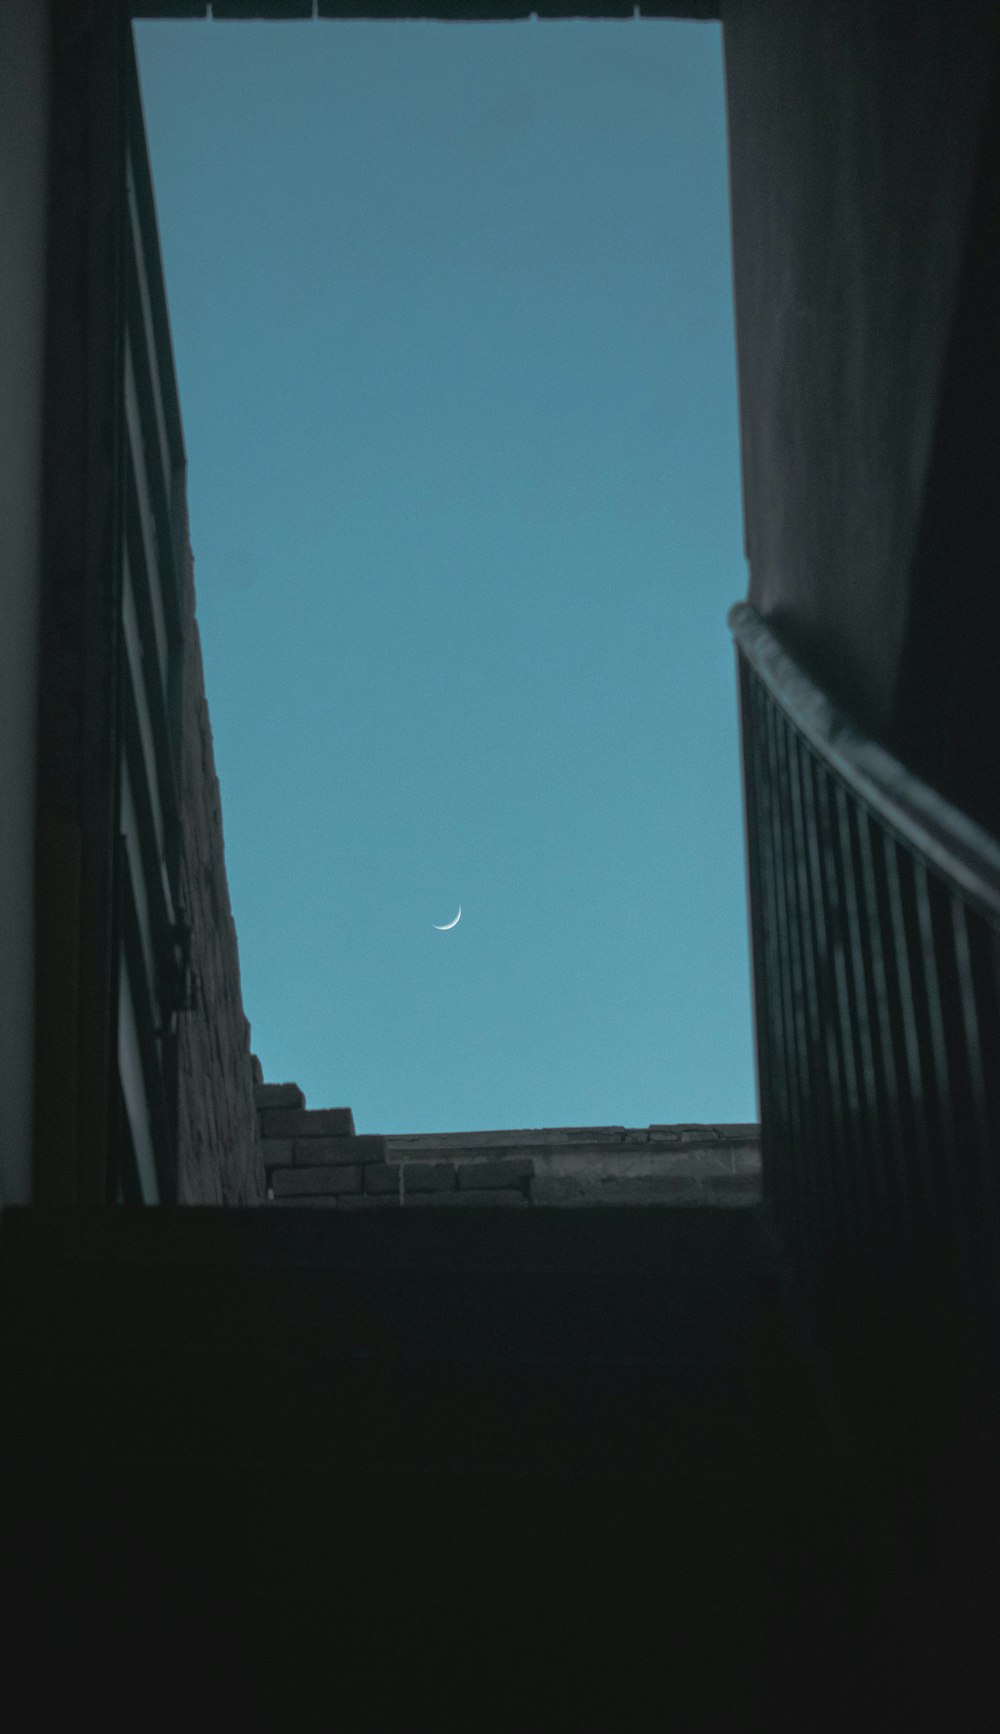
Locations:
{"points": [[563, 1453]]}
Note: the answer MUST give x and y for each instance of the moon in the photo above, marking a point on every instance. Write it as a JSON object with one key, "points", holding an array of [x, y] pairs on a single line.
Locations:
{"points": [[448, 925]]}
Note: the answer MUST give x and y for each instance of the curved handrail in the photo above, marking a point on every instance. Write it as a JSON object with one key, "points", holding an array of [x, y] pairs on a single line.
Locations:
{"points": [[950, 841]]}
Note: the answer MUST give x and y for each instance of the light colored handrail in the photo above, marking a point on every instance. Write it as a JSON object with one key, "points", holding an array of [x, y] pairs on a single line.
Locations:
{"points": [[952, 843]]}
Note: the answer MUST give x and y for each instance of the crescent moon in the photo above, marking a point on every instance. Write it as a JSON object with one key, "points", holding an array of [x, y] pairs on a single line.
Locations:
{"points": [[449, 924]]}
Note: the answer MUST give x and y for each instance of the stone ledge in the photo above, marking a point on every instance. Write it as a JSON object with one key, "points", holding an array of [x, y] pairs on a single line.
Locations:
{"points": [[410, 1177], [499, 1198], [315, 1152], [684, 1132], [477, 1176], [401, 1144], [425, 1176], [413, 1145], [674, 1190], [307, 1123], [278, 1096], [681, 1166], [646, 1161]]}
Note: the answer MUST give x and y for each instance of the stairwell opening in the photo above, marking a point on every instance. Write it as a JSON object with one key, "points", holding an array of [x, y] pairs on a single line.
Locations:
{"points": [[451, 307]]}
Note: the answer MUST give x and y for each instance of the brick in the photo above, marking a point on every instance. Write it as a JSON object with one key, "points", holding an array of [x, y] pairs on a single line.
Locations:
{"points": [[428, 1177], [417, 1177], [312, 1152], [303, 1182], [277, 1152], [480, 1176], [307, 1123], [278, 1096], [382, 1177], [440, 1200], [676, 1191]]}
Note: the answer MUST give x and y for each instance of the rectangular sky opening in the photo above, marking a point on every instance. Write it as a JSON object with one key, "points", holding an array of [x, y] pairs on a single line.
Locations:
{"points": [[452, 314]]}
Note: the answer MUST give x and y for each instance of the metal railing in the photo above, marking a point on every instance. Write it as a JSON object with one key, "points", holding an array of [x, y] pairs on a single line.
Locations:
{"points": [[151, 920], [875, 917]]}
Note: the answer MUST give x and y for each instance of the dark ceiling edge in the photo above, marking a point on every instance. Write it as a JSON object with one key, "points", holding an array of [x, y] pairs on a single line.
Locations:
{"points": [[469, 12]]}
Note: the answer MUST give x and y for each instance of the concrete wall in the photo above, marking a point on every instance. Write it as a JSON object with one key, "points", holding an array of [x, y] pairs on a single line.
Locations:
{"points": [[217, 1120], [24, 29], [946, 719], [854, 132]]}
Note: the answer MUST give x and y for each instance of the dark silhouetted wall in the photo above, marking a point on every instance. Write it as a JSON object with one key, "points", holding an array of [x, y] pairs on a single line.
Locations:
{"points": [[855, 136], [23, 139]]}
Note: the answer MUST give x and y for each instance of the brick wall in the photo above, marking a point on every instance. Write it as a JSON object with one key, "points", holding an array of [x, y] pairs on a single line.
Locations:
{"points": [[218, 1158], [314, 1157]]}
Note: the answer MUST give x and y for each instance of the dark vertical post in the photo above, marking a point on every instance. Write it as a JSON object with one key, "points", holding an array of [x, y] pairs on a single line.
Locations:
{"points": [[76, 953]]}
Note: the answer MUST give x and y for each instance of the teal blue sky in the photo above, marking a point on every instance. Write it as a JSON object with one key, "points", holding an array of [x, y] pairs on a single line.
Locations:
{"points": [[452, 313]]}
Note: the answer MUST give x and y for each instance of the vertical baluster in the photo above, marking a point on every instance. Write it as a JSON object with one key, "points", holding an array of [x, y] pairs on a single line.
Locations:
{"points": [[849, 1155], [980, 1015], [886, 1050], [801, 1155], [948, 1180], [787, 1198], [968, 1070], [822, 1085], [937, 1176], [837, 1190], [868, 1141], [903, 1010], [972, 1135], [775, 1127], [757, 911], [779, 1129], [985, 958], [803, 989], [955, 1109]]}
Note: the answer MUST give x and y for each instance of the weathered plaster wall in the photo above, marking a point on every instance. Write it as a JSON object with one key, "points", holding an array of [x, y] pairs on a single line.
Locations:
{"points": [[24, 28], [217, 1119], [854, 133]]}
